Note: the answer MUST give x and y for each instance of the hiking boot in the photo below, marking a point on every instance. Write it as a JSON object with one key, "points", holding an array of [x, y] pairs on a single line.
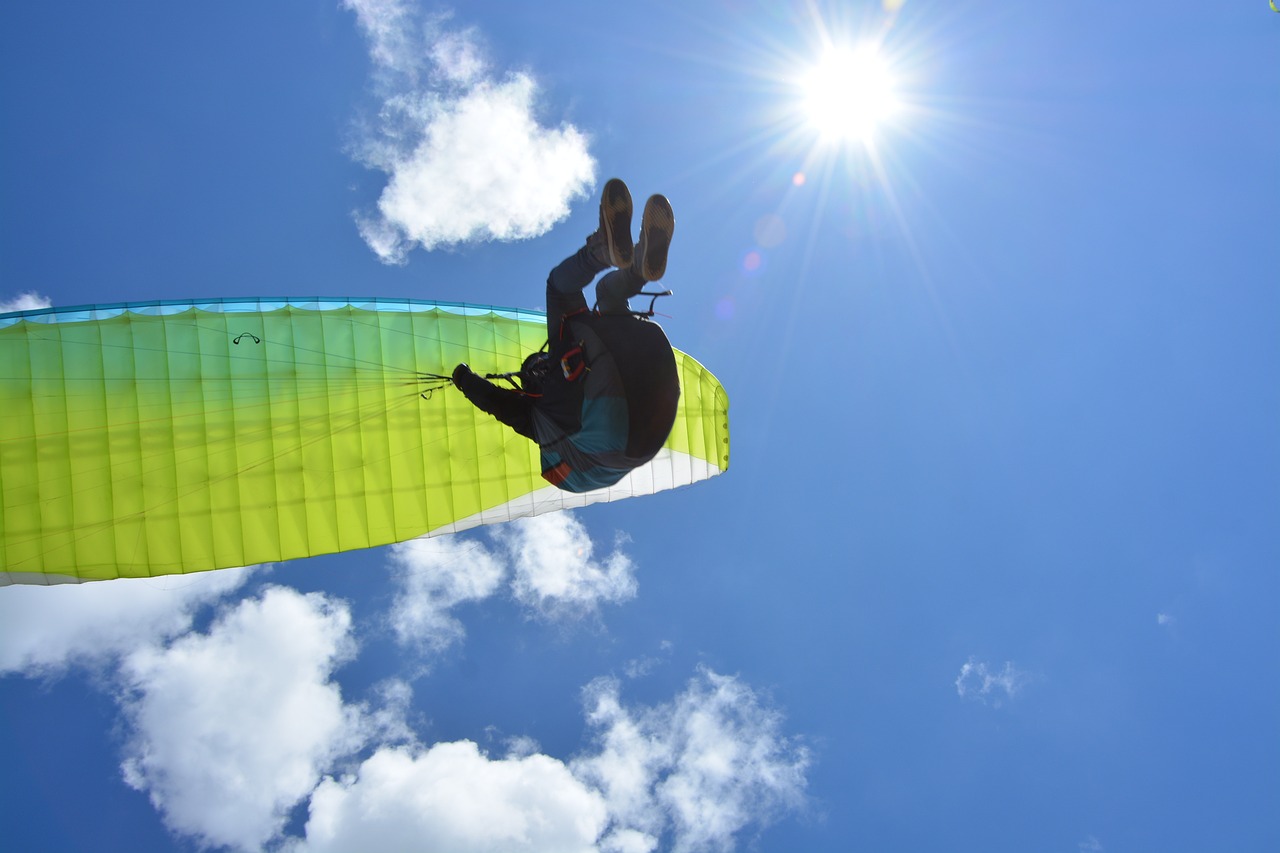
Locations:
{"points": [[610, 245], [656, 229]]}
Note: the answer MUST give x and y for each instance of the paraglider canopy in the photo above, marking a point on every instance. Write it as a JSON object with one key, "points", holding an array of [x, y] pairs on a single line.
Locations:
{"points": [[169, 437]]}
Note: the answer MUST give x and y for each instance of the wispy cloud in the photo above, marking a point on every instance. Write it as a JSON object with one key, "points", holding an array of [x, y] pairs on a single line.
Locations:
{"points": [[698, 770], [981, 682], [466, 156], [642, 666], [29, 301]]}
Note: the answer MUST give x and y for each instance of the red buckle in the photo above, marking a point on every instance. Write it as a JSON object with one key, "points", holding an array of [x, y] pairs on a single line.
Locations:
{"points": [[573, 363]]}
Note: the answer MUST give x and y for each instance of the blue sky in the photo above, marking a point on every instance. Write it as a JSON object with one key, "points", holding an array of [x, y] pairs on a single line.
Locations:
{"points": [[994, 567]]}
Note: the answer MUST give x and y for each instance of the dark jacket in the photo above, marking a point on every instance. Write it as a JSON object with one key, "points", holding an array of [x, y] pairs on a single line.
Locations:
{"points": [[618, 413], [614, 415]]}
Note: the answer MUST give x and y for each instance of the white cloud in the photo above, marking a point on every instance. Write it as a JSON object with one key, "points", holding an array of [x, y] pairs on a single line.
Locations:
{"points": [[642, 666], [435, 575], [704, 767], [465, 156], [43, 629], [980, 682], [1164, 619], [388, 24], [556, 572], [550, 560], [629, 762], [453, 797], [28, 301], [231, 729], [387, 722], [694, 773], [458, 56]]}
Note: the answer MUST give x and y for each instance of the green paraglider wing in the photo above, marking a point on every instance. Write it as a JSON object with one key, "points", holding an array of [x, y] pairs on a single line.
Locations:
{"points": [[161, 438]]}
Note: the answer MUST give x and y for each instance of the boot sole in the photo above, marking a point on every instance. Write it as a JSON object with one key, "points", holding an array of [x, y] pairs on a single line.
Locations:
{"points": [[656, 230], [615, 219]]}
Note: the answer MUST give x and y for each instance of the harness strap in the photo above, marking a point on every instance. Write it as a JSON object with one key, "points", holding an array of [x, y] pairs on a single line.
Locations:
{"points": [[573, 363]]}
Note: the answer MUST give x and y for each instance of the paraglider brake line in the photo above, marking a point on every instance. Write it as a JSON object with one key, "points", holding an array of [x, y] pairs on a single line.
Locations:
{"points": [[511, 378], [440, 382], [435, 382]]}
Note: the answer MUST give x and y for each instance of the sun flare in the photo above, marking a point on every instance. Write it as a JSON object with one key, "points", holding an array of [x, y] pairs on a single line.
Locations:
{"points": [[849, 94]]}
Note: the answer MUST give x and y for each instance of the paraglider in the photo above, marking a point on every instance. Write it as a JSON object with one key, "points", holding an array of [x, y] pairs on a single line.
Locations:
{"points": [[142, 439]]}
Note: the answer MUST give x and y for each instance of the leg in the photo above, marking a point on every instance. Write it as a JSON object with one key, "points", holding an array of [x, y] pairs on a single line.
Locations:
{"points": [[609, 246], [564, 288], [613, 291]]}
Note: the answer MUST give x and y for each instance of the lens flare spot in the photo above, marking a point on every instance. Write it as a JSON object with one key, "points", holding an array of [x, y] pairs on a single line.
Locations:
{"points": [[770, 231], [798, 179], [726, 308], [753, 261]]}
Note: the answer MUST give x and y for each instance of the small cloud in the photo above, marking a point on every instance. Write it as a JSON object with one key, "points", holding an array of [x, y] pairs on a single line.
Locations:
{"points": [[465, 154], [434, 575], [700, 769], [556, 570], [980, 682], [387, 718], [1091, 845], [550, 560], [29, 301], [388, 25], [1164, 619], [642, 666]]}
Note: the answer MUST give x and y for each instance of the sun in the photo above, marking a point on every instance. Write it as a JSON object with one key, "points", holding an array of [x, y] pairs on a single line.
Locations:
{"points": [[849, 94]]}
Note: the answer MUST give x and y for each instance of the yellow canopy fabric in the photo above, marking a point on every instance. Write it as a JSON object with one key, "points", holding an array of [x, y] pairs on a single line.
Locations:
{"points": [[172, 437]]}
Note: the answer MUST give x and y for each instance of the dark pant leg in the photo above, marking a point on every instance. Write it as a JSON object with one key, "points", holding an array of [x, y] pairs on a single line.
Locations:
{"points": [[564, 289], [615, 289]]}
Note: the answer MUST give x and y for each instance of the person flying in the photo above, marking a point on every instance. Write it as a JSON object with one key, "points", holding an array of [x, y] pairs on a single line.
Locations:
{"points": [[601, 398]]}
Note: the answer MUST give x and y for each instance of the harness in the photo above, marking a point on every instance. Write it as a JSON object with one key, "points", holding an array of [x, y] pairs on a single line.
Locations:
{"points": [[607, 395], [531, 378]]}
